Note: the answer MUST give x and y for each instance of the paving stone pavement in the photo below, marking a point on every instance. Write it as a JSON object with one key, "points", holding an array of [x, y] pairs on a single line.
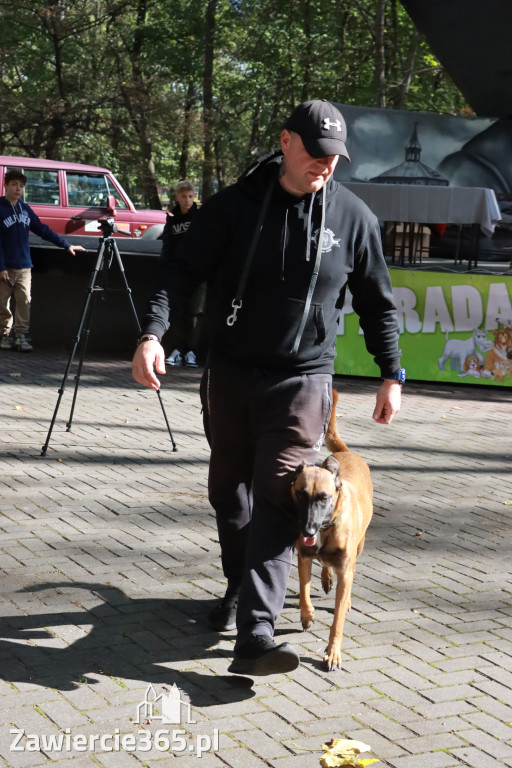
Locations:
{"points": [[109, 562]]}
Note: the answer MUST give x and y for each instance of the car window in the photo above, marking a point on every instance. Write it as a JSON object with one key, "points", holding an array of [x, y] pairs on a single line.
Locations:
{"points": [[88, 189], [120, 203], [42, 187]]}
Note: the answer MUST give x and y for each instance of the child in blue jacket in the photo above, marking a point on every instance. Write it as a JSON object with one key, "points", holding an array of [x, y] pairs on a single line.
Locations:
{"points": [[16, 220]]}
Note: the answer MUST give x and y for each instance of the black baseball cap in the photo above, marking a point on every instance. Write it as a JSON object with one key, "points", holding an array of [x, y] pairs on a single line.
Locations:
{"points": [[321, 127]]}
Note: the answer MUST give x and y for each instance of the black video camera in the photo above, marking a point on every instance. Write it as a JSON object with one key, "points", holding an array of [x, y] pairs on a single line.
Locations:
{"points": [[108, 226]]}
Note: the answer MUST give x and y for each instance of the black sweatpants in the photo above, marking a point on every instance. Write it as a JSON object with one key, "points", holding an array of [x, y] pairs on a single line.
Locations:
{"points": [[261, 425]]}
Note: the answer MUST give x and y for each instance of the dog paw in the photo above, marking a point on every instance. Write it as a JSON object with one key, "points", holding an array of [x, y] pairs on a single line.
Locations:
{"points": [[327, 580], [307, 619], [332, 658]]}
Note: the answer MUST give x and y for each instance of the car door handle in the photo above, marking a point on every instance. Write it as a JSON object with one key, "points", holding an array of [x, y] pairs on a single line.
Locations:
{"points": [[77, 218]]}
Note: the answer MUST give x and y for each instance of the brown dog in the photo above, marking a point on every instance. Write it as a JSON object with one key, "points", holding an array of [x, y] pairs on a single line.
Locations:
{"points": [[496, 360], [334, 504]]}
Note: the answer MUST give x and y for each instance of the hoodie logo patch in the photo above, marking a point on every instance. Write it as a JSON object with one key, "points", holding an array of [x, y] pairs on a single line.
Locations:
{"points": [[328, 241]]}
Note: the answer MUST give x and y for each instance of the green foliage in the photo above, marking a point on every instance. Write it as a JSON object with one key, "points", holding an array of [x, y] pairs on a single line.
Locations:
{"points": [[119, 83]]}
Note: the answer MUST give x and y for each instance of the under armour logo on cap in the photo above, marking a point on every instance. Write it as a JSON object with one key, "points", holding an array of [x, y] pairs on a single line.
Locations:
{"points": [[330, 124], [321, 127]]}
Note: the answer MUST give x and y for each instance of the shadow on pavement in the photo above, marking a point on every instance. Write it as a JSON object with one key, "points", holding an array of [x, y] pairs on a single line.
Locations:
{"points": [[130, 639]]}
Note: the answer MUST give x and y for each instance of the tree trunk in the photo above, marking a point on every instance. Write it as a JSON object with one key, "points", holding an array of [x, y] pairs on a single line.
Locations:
{"points": [[58, 132], [137, 97], [208, 100], [254, 139], [405, 84], [219, 171], [309, 51], [138, 120], [185, 141], [151, 196], [380, 59]]}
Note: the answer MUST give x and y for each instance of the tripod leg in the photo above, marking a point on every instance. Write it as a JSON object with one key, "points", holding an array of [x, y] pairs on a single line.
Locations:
{"points": [[134, 311], [84, 315], [85, 339], [126, 286], [165, 419]]}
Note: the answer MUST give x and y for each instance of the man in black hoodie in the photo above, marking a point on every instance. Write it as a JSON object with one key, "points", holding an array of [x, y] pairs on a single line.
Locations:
{"points": [[278, 249]]}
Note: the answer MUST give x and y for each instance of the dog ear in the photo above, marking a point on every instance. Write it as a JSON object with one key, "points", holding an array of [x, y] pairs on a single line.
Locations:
{"points": [[299, 469], [334, 468]]}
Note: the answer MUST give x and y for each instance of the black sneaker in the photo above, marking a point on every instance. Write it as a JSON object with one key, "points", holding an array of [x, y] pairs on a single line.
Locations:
{"points": [[261, 656], [222, 618]]}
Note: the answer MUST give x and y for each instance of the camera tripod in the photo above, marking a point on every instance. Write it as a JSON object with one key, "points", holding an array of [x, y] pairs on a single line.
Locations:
{"points": [[98, 283]]}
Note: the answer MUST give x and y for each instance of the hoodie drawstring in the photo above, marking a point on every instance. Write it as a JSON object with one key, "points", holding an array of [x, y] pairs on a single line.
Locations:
{"points": [[284, 235], [308, 231], [284, 242]]}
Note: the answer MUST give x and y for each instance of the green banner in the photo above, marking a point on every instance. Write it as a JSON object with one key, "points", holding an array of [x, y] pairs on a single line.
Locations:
{"points": [[454, 327]]}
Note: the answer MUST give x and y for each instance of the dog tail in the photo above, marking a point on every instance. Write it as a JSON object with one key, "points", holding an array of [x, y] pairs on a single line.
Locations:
{"points": [[333, 440]]}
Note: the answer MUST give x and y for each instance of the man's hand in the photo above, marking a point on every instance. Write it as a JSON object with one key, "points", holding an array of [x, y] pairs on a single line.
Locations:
{"points": [[74, 248], [388, 401], [148, 356], [4, 275]]}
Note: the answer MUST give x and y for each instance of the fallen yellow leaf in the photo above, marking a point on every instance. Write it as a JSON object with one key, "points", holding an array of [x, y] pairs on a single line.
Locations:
{"points": [[20, 408], [340, 746], [333, 761], [508, 503], [336, 761], [343, 752]]}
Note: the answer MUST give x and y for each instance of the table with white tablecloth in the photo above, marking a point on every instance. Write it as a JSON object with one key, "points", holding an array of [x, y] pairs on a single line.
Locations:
{"points": [[423, 204]]}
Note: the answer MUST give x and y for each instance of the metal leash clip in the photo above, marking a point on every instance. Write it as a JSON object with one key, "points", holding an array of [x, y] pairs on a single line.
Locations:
{"points": [[236, 304]]}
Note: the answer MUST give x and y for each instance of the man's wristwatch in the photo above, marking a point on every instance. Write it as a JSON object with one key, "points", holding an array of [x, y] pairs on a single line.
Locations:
{"points": [[397, 376], [147, 337]]}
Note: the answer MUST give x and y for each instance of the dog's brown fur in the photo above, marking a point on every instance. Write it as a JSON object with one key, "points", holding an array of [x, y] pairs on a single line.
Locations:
{"points": [[497, 356], [342, 483]]}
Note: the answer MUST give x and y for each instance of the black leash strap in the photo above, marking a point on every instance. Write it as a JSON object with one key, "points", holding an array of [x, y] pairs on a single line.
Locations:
{"points": [[237, 301], [314, 276]]}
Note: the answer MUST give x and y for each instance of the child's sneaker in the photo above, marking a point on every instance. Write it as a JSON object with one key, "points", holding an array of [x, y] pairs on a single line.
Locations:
{"points": [[174, 358], [22, 343], [190, 360], [7, 341]]}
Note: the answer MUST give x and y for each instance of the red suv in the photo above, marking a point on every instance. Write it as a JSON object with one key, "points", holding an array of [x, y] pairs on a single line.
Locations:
{"points": [[71, 197]]}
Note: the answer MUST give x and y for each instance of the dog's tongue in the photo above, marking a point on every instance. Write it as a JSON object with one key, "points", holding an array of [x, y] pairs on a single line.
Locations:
{"points": [[309, 541]]}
